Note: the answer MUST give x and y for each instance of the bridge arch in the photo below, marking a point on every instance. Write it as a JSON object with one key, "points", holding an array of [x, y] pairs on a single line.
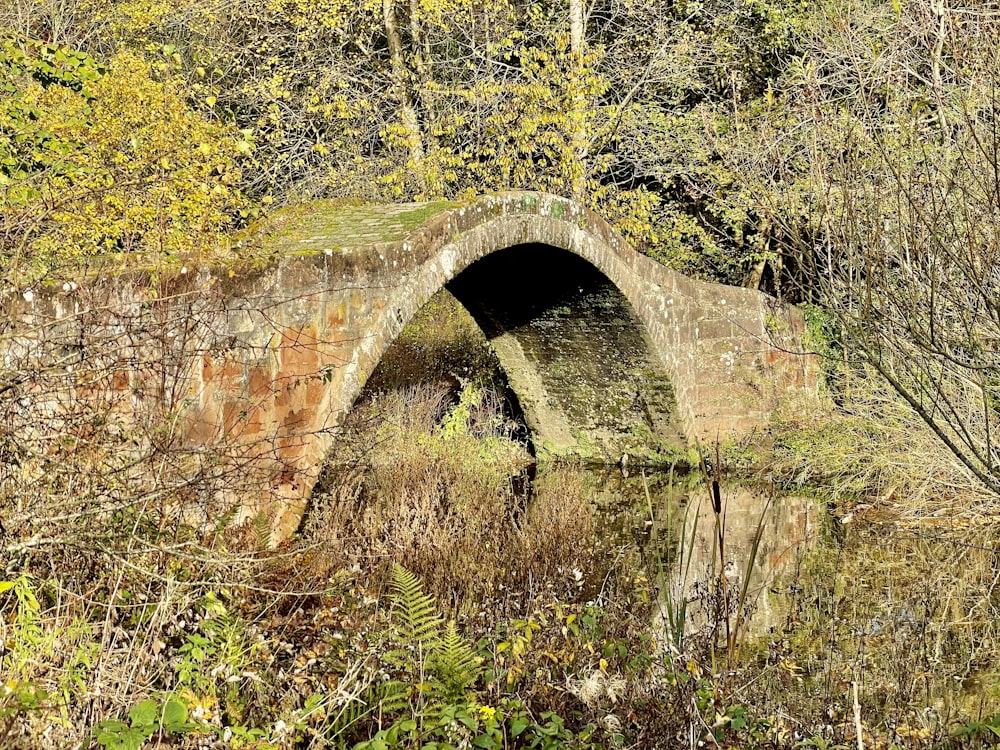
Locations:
{"points": [[345, 286], [560, 225], [585, 373]]}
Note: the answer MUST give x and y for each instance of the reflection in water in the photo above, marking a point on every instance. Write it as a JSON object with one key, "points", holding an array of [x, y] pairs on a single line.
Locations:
{"points": [[763, 541]]}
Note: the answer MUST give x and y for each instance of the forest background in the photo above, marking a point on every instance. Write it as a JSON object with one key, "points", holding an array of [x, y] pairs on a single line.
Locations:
{"points": [[152, 126]]}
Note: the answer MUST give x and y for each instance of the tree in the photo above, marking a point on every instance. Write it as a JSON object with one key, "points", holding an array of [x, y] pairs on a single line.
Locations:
{"points": [[626, 106], [99, 160], [892, 210]]}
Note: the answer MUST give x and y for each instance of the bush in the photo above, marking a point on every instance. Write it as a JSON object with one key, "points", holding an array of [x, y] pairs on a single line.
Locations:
{"points": [[108, 160]]}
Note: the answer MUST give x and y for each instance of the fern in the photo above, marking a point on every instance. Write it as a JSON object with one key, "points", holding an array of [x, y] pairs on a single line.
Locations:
{"points": [[357, 695], [261, 532], [440, 667], [418, 625], [455, 664]]}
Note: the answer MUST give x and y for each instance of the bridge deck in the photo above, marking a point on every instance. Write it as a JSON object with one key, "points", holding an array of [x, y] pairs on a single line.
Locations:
{"points": [[327, 226]]}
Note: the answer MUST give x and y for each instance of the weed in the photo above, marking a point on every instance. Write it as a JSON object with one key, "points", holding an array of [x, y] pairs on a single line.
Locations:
{"points": [[146, 719]]}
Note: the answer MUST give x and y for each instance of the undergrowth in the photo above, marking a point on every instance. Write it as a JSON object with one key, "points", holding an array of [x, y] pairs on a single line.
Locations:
{"points": [[430, 600]]}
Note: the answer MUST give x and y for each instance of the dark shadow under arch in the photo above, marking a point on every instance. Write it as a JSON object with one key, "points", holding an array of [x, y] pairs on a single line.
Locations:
{"points": [[586, 375]]}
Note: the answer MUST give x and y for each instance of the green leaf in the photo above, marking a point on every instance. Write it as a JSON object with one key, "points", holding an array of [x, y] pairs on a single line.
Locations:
{"points": [[175, 715], [517, 726], [111, 726], [144, 714], [133, 739], [109, 739]]}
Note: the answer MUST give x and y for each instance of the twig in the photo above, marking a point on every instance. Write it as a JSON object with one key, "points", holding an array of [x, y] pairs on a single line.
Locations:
{"points": [[857, 717]]}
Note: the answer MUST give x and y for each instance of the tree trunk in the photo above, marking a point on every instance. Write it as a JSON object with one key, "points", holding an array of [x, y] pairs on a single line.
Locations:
{"points": [[576, 26], [401, 83], [578, 113], [939, 10]]}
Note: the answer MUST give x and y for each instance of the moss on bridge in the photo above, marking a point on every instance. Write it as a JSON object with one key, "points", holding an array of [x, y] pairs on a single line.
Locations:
{"points": [[333, 226]]}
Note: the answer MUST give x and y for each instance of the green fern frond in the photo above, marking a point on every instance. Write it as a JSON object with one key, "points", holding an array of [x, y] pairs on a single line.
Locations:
{"points": [[261, 532], [438, 669], [455, 664], [395, 697], [417, 623], [358, 696]]}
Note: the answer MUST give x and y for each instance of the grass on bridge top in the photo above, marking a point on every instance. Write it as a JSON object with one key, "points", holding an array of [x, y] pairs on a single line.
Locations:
{"points": [[308, 228], [325, 225]]}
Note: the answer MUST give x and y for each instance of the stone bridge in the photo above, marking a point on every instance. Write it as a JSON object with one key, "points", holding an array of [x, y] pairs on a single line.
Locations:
{"points": [[266, 362]]}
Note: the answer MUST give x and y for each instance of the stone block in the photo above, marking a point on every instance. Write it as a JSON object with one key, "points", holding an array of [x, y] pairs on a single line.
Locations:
{"points": [[299, 351], [240, 321]]}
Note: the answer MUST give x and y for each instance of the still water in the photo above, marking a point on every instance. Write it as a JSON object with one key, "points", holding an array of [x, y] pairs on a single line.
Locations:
{"points": [[754, 546]]}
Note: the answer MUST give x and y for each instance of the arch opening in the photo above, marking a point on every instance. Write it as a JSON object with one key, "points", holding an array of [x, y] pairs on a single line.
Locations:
{"points": [[442, 348], [437, 392], [587, 376]]}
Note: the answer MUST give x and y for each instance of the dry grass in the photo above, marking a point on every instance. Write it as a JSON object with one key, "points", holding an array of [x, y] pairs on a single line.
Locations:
{"points": [[442, 492], [875, 451]]}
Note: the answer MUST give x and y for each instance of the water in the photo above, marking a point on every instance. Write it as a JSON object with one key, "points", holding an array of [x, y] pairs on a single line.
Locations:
{"points": [[758, 538]]}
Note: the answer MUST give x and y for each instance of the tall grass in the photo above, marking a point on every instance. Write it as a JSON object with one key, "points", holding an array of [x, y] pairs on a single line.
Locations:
{"points": [[440, 487], [875, 450]]}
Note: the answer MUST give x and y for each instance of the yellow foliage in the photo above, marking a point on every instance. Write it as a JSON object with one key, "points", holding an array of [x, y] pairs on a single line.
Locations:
{"points": [[640, 122], [136, 22], [123, 167]]}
